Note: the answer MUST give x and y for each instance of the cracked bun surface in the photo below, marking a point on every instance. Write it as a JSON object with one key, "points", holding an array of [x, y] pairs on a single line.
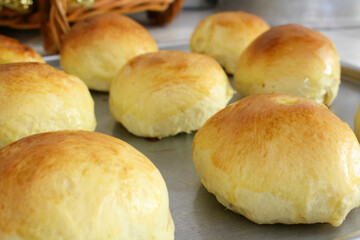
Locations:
{"points": [[80, 185], [35, 98], [290, 59], [12, 51], [277, 158], [167, 92], [96, 48], [225, 35]]}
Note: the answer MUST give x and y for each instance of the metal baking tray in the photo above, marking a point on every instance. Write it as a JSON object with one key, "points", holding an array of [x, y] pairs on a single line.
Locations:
{"points": [[196, 213]]}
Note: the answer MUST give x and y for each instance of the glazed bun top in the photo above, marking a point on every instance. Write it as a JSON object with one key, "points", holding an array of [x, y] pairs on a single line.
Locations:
{"points": [[166, 92], [35, 98], [288, 152], [225, 35], [290, 59], [12, 51], [96, 48], [81, 185]]}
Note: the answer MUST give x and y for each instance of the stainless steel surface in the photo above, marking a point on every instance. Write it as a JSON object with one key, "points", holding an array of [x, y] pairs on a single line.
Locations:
{"points": [[351, 236], [319, 13], [350, 71], [196, 213]]}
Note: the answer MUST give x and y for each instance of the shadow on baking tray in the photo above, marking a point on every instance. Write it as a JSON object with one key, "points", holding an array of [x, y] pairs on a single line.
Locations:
{"points": [[237, 225]]}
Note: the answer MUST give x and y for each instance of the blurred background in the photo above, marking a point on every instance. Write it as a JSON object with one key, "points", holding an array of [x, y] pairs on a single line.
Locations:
{"points": [[316, 14], [339, 20]]}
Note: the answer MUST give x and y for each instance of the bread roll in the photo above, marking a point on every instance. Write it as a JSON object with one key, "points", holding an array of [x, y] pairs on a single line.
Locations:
{"points": [[225, 35], [80, 185], [290, 59], [95, 49], [164, 93], [35, 97], [357, 123], [11, 51], [277, 158]]}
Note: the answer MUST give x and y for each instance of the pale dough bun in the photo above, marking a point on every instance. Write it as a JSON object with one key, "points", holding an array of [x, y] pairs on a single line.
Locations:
{"points": [[357, 123], [225, 35], [277, 158], [35, 97], [290, 59], [11, 51], [81, 185], [164, 93], [96, 49]]}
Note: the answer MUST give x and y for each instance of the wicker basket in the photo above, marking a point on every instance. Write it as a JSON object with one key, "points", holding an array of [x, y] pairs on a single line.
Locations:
{"points": [[53, 17]]}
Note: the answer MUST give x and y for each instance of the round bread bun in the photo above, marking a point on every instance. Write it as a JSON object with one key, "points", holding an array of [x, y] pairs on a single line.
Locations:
{"points": [[35, 97], [277, 158], [225, 35], [96, 48], [290, 59], [167, 92], [11, 51], [80, 185], [357, 123]]}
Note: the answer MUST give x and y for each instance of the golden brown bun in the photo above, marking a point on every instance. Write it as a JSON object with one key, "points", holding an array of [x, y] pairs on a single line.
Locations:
{"points": [[277, 158], [225, 35], [163, 93], [357, 123], [80, 185], [95, 49], [290, 59], [35, 97], [11, 51]]}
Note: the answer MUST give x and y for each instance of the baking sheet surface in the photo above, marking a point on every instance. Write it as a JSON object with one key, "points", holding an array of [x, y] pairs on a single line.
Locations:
{"points": [[196, 213]]}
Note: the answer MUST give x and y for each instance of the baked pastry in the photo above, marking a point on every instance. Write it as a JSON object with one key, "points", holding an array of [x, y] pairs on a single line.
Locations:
{"points": [[167, 92], [11, 51], [357, 123], [290, 59], [35, 97], [277, 158], [96, 49], [81, 185], [225, 35]]}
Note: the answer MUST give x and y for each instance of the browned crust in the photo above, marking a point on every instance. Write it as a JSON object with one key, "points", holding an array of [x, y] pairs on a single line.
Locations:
{"points": [[10, 45]]}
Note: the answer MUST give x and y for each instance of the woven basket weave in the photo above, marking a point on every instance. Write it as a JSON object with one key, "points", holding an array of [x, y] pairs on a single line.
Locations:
{"points": [[54, 17]]}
